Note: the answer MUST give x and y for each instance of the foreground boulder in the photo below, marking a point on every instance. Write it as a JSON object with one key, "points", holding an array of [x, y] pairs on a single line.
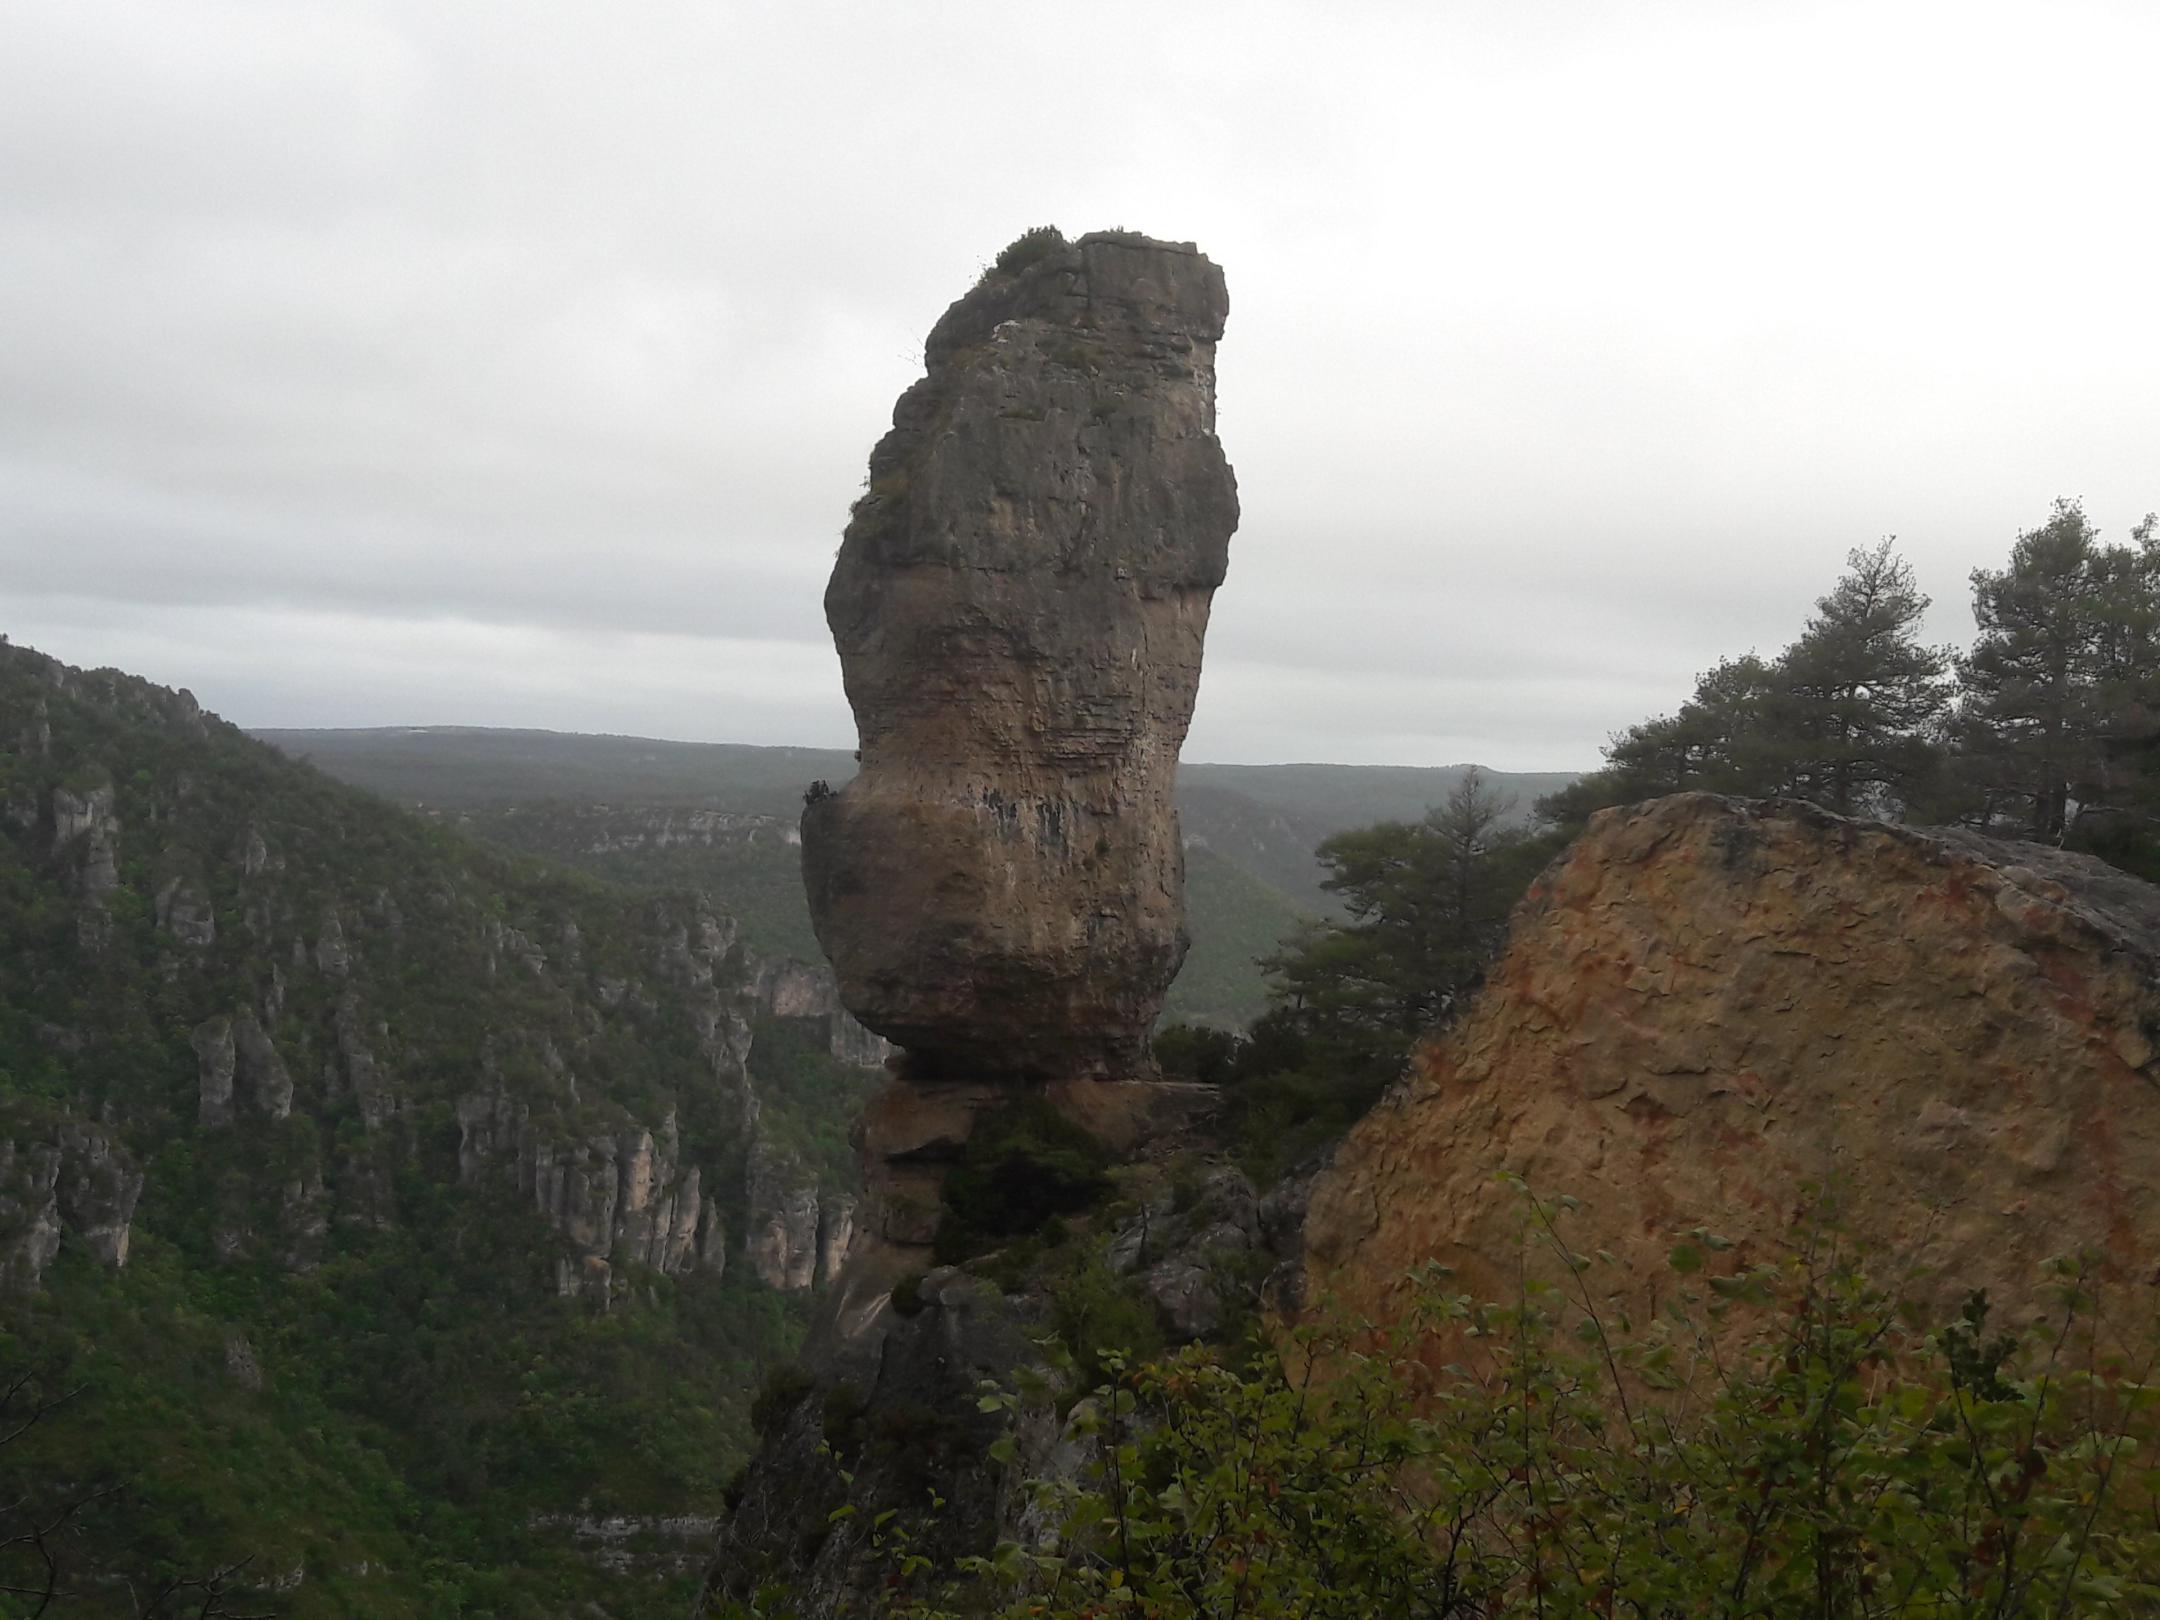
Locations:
{"points": [[1019, 604], [1708, 1007]]}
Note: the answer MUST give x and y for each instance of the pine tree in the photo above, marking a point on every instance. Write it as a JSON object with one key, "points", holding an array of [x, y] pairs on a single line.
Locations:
{"points": [[2119, 792], [1428, 904], [2029, 712], [1730, 737], [1862, 696], [1846, 715]]}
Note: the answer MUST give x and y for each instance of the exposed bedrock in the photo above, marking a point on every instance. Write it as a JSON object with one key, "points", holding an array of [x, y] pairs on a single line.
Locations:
{"points": [[1708, 1006], [1019, 604]]}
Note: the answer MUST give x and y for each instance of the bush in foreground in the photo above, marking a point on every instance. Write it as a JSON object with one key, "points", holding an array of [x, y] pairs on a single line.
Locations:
{"points": [[1782, 1440]]}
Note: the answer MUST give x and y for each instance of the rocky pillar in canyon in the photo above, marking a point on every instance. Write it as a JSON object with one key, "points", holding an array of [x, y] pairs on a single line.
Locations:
{"points": [[1019, 603]]}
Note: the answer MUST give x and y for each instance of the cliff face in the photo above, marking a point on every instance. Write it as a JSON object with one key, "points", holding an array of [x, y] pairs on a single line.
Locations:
{"points": [[329, 1106], [1019, 604], [1707, 1005], [593, 1054], [68, 1177]]}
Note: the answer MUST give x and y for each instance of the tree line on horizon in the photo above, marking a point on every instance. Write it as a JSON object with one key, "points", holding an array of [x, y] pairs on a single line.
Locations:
{"points": [[2046, 728]]}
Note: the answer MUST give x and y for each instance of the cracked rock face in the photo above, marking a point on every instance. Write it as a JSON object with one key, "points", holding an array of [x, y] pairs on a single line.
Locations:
{"points": [[1019, 604], [1707, 1005]]}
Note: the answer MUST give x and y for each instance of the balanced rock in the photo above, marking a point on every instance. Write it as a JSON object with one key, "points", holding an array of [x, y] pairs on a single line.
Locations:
{"points": [[1019, 604], [1708, 1007]]}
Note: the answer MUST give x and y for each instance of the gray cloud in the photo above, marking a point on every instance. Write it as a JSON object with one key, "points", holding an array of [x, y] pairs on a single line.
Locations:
{"points": [[383, 363]]}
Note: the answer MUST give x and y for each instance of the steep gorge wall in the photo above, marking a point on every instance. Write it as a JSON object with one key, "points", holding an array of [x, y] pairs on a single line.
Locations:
{"points": [[355, 998], [1708, 1006]]}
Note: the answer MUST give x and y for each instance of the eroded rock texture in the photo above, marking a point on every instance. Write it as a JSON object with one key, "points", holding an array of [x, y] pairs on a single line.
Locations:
{"points": [[1707, 1005], [62, 1176], [1019, 604]]}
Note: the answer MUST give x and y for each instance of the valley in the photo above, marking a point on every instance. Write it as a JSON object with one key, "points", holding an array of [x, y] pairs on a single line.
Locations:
{"points": [[722, 817]]}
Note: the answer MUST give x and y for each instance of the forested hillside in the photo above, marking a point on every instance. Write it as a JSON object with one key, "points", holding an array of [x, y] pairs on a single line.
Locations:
{"points": [[723, 817], [401, 1226]]}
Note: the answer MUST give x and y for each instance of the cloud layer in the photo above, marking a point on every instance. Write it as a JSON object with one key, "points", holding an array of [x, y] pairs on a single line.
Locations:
{"points": [[391, 363]]}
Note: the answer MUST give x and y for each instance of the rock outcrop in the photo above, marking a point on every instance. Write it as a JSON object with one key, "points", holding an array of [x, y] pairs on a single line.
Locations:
{"points": [[1019, 604], [57, 1177], [630, 1197], [237, 1048], [29, 1212], [268, 1082], [895, 1418], [215, 1056], [619, 1198], [881, 1438], [86, 826], [1708, 1006], [780, 1239], [97, 1190], [1191, 1253], [800, 990], [184, 911]]}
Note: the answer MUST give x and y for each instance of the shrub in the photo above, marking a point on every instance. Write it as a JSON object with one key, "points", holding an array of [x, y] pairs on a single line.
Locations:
{"points": [[1786, 1439], [907, 1297], [1029, 247], [1197, 1052], [1075, 354], [1103, 1320], [784, 1389], [1023, 1164], [843, 1414]]}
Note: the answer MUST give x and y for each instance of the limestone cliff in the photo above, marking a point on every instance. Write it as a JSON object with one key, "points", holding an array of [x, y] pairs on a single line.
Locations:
{"points": [[347, 1016], [1019, 604], [318, 1106], [1707, 1005], [60, 1176], [800, 990]]}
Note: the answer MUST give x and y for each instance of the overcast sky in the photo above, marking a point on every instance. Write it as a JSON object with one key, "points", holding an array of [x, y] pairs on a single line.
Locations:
{"points": [[374, 364]]}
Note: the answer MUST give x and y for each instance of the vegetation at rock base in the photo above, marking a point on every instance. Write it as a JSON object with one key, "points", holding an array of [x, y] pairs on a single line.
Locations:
{"points": [[1780, 1437], [1023, 1166], [1426, 905]]}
